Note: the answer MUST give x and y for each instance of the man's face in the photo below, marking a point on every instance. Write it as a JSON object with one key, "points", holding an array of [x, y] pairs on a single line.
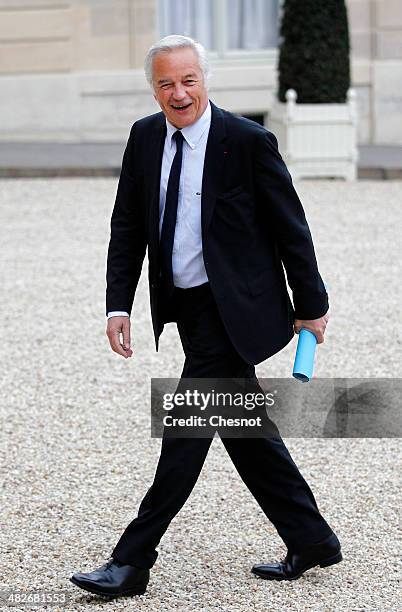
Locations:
{"points": [[179, 86]]}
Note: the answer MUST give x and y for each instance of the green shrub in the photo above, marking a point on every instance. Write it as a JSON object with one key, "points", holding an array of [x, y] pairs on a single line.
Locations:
{"points": [[314, 51]]}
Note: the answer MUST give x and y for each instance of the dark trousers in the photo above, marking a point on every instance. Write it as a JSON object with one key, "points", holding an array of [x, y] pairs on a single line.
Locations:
{"points": [[264, 464]]}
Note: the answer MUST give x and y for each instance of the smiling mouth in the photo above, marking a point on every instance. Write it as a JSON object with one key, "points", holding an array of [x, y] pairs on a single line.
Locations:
{"points": [[180, 107]]}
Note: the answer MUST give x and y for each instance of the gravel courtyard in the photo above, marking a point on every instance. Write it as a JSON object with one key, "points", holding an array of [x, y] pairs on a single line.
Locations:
{"points": [[76, 452]]}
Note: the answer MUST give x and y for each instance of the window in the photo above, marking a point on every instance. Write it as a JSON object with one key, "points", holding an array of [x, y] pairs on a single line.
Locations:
{"points": [[227, 27], [252, 24], [258, 118]]}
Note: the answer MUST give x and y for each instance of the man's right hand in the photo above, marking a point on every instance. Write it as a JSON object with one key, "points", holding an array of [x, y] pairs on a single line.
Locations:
{"points": [[117, 327]]}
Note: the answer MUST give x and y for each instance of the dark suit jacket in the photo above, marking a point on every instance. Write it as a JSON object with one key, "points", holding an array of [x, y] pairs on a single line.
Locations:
{"points": [[252, 223]]}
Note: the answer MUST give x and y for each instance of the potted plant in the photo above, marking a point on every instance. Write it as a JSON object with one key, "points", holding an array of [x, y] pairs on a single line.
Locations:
{"points": [[314, 117]]}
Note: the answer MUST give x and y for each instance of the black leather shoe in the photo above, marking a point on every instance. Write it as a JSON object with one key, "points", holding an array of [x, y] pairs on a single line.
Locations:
{"points": [[113, 579], [324, 553]]}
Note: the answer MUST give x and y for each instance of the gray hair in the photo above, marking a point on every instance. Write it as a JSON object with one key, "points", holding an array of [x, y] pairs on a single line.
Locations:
{"points": [[175, 41]]}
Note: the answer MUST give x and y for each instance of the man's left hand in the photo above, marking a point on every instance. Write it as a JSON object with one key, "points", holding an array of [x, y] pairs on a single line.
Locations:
{"points": [[317, 326]]}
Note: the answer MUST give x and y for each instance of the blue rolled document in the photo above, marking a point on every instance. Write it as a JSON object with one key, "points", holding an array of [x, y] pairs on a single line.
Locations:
{"points": [[304, 360]]}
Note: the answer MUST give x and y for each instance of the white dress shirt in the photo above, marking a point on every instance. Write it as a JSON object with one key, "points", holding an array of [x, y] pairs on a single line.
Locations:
{"points": [[187, 259]]}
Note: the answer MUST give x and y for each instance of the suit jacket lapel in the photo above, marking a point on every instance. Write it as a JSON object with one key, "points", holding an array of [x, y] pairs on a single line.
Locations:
{"points": [[214, 162], [156, 145]]}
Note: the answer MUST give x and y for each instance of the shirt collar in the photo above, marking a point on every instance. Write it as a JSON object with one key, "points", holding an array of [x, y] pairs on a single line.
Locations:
{"points": [[192, 133]]}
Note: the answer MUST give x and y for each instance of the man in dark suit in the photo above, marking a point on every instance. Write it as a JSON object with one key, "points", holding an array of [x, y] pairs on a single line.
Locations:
{"points": [[209, 195]]}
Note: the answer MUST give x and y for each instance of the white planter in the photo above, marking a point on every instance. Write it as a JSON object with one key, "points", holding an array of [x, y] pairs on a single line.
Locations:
{"points": [[317, 140]]}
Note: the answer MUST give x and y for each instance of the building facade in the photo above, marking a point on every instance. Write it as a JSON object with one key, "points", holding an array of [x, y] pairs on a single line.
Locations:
{"points": [[72, 70]]}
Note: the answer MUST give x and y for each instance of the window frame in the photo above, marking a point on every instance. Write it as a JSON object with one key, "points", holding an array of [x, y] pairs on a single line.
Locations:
{"points": [[220, 30]]}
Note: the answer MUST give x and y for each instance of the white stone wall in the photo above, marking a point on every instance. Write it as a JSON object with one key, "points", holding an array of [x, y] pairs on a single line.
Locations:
{"points": [[101, 106], [376, 40], [73, 70], [39, 36]]}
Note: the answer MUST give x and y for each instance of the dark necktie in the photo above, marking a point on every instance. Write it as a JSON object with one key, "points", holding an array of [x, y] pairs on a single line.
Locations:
{"points": [[170, 216]]}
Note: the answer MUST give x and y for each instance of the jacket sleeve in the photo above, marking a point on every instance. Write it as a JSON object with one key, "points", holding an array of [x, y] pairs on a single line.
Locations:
{"points": [[284, 216], [128, 241]]}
